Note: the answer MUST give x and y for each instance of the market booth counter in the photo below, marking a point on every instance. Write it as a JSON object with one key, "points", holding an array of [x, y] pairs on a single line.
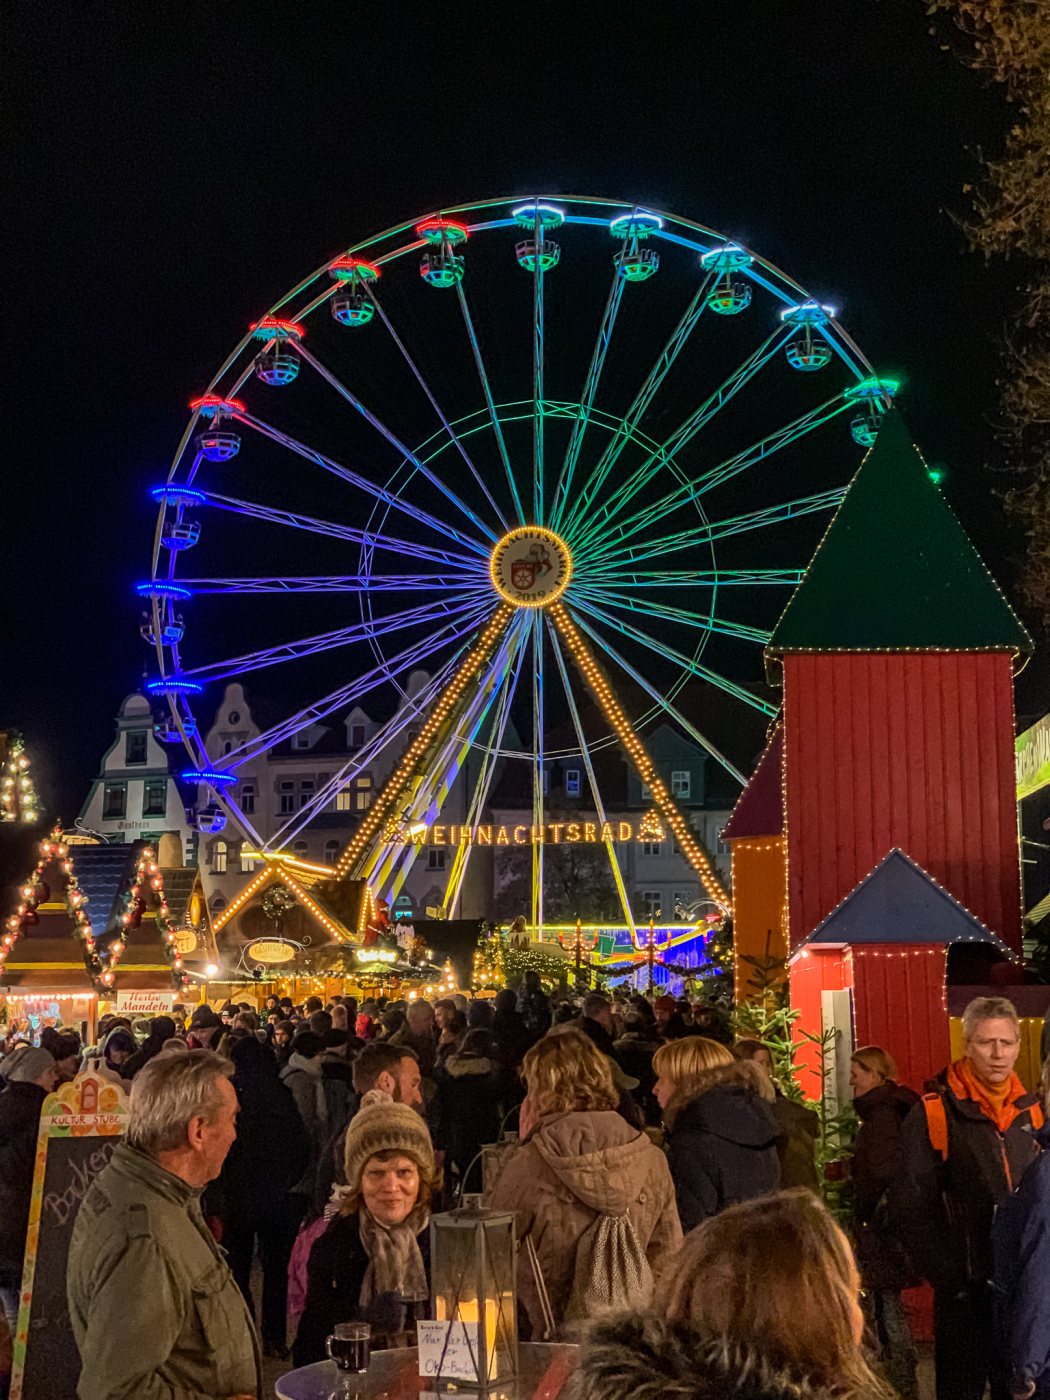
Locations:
{"points": [[95, 930]]}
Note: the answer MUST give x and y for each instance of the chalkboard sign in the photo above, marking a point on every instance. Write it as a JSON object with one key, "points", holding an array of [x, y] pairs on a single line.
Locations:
{"points": [[79, 1128]]}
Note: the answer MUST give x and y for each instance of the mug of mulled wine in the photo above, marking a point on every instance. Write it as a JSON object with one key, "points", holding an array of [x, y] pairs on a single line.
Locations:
{"points": [[349, 1346]]}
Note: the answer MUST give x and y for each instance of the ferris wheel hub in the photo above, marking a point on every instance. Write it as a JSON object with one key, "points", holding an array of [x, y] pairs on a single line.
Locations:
{"points": [[531, 567]]}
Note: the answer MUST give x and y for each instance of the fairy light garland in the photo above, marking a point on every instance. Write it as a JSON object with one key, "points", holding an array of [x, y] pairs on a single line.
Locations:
{"points": [[18, 801], [627, 736], [450, 696]]}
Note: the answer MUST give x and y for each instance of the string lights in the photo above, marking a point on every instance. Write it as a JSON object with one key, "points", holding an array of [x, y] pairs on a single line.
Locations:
{"points": [[18, 801], [614, 714]]}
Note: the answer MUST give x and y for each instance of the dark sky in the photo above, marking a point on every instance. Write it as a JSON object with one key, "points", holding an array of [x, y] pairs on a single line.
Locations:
{"points": [[173, 168]]}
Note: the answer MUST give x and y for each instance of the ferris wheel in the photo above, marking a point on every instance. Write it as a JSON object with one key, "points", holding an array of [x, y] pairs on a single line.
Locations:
{"points": [[552, 451]]}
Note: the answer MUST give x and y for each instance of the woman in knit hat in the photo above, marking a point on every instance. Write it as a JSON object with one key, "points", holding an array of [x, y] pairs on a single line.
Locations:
{"points": [[372, 1261]]}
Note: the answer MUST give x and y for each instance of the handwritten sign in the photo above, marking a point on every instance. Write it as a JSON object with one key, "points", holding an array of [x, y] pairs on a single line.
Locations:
{"points": [[449, 1350], [145, 1003], [79, 1128]]}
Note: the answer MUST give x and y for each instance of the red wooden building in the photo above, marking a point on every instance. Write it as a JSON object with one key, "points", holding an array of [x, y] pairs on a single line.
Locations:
{"points": [[896, 654]]}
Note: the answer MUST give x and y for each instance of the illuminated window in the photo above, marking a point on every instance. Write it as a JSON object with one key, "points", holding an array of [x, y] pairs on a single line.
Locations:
{"points": [[651, 903], [154, 797], [363, 792], [572, 782], [285, 798], [344, 800], [218, 858], [135, 746], [652, 848], [681, 783], [331, 852], [436, 857], [248, 862], [116, 803]]}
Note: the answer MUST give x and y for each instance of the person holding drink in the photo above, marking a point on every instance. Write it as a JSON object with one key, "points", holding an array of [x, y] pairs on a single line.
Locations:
{"points": [[371, 1264]]}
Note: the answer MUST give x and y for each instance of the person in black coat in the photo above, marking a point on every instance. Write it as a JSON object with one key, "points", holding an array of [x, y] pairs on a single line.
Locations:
{"points": [[721, 1130], [31, 1078], [635, 1050], [269, 1157], [878, 1158], [1021, 1245], [466, 1108], [161, 1030]]}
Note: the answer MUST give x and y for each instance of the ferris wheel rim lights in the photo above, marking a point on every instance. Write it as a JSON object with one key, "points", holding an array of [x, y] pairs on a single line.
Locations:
{"points": [[275, 328]]}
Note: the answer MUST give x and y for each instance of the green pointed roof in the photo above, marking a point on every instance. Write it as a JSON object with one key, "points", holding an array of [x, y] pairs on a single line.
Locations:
{"points": [[895, 570]]}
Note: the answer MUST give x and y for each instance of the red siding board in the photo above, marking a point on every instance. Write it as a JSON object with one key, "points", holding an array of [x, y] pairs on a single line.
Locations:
{"points": [[909, 750], [898, 1004]]}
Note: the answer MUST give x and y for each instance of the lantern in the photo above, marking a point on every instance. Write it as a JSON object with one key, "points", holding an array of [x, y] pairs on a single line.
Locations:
{"points": [[473, 1257]]}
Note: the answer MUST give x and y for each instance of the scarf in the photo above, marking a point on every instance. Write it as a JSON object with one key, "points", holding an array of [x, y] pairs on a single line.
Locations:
{"points": [[996, 1101], [395, 1263]]}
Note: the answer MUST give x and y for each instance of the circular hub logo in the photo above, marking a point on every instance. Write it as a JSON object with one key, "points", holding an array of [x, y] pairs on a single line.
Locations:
{"points": [[531, 567]]}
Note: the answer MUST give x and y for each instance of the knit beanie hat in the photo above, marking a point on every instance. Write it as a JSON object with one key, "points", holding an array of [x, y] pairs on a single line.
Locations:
{"points": [[31, 1065], [381, 1125]]}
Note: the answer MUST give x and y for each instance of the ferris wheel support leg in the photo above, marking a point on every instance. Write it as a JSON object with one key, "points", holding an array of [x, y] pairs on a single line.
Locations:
{"points": [[596, 796], [383, 806], [537, 773], [633, 746]]}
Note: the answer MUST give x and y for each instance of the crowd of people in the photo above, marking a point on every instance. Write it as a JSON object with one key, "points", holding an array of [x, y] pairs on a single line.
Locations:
{"points": [[646, 1156]]}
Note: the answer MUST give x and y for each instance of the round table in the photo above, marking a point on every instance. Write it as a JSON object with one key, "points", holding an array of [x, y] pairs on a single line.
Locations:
{"points": [[543, 1369]]}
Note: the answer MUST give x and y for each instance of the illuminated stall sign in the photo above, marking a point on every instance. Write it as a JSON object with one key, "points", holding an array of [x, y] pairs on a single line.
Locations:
{"points": [[550, 833]]}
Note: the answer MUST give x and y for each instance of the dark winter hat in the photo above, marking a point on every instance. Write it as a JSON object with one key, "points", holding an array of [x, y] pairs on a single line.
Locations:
{"points": [[204, 1019], [31, 1065]]}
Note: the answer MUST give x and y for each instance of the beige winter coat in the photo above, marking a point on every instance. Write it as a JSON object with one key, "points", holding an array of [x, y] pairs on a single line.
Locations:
{"points": [[575, 1167]]}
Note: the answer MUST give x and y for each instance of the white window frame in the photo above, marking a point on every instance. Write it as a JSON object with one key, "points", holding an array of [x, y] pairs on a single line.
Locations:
{"points": [[220, 855], [682, 782], [650, 902], [652, 848], [572, 782]]}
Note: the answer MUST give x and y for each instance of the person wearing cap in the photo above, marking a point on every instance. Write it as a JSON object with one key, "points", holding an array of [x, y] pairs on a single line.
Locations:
{"points": [[206, 1029], [30, 1078], [372, 1263], [669, 1022]]}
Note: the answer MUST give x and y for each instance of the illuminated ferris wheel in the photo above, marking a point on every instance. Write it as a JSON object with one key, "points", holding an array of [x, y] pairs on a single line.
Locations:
{"points": [[552, 451]]}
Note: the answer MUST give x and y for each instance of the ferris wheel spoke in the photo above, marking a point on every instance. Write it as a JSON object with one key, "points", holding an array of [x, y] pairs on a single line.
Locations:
{"points": [[482, 786], [395, 442], [642, 400], [362, 759], [390, 866], [706, 622], [665, 705], [362, 483], [538, 275], [490, 402], [590, 388], [336, 583], [599, 576], [741, 461], [334, 530], [456, 440], [680, 659], [367, 630], [538, 768], [723, 529], [355, 690], [598, 519], [592, 781]]}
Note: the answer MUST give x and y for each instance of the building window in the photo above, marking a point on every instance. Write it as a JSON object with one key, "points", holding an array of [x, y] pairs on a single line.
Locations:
{"points": [[363, 792], [247, 859], [650, 902], [647, 795], [652, 848], [227, 747], [285, 798], [135, 746], [301, 740], [682, 900], [681, 783], [331, 852], [218, 858], [116, 801], [217, 903], [357, 736], [306, 791], [436, 857], [299, 850], [344, 800], [572, 782], [234, 717], [155, 797], [248, 799]]}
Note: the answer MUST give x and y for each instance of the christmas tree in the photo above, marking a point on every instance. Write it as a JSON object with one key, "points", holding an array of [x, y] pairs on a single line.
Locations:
{"points": [[490, 960]]}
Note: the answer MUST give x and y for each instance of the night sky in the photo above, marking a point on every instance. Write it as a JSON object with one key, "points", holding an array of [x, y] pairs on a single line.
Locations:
{"points": [[172, 169]]}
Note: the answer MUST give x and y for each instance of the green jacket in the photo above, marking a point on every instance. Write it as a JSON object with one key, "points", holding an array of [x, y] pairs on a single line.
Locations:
{"points": [[155, 1311]]}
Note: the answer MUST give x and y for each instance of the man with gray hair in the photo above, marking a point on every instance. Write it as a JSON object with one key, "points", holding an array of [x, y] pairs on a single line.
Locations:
{"points": [[965, 1148], [154, 1307]]}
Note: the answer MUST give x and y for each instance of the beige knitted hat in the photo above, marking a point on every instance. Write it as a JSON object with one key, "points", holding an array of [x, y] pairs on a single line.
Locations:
{"points": [[381, 1125]]}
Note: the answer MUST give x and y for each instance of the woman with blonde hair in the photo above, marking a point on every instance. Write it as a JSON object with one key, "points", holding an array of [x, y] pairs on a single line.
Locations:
{"points": [[762, 1304], [593, 1196], [721, 1129]]}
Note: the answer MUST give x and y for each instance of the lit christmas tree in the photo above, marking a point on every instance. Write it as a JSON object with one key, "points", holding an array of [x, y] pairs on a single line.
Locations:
{"points": [[490, 961]]}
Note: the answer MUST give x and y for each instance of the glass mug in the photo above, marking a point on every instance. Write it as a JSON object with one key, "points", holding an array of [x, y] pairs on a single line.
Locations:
{"points": [[349, 1346]]}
